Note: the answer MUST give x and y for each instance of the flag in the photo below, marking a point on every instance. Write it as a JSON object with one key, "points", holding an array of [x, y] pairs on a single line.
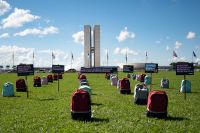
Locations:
{"points": [[53, 56], [33, 55], [146, 54], [194, 54], [72, 56], [174, 54], [126, 57], [88, 55]]}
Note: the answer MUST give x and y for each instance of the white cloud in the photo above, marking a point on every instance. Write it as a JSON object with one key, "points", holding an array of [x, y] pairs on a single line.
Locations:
{"points": [[177, 44], [191, 35], [181, 59], [4, 7], [18, 18], [125, 34], [79, 37], [167, 48], [77, 62], [4, 35], [22, 55], [35, 31], [59, 54], [105, 51], [43, 58], [117, 51], [124, 51]]}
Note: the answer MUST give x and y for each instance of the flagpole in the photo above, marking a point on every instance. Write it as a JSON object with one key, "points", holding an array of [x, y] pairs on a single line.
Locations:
{"points": [[192, 57], [13, 59], [71, 60], [126, 56], [146, 58], [71, 63], [33, 58], [107, 57], [52, 58]]}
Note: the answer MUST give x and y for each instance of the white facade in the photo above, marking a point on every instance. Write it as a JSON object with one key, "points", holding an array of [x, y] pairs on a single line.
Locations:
{"points": [[87, 45], [91, 46], [96, 37]]}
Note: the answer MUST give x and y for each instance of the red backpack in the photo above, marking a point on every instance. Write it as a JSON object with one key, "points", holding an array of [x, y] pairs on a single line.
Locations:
{"points": [[21, 85], [157, 104], [142, 76], [82, 77], [37, 81], [50, 78], [55, 77], [125, 86], [81, 105], [60, 76]]}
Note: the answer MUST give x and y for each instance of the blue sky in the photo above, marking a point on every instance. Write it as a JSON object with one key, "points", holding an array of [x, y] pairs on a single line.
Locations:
{"points": [[135, 26]]}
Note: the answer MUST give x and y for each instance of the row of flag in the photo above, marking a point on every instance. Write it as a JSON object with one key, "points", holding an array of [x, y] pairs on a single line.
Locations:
{"points": [[146, 55], [107, 57], [175, 55], [53, 56]]}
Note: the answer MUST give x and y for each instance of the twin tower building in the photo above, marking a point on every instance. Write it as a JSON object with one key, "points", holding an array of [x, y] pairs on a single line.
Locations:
{"points": [[91, 46]]}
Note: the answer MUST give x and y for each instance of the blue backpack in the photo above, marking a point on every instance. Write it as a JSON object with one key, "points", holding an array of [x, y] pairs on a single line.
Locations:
{"points": [[8, 90], [185, 86]]}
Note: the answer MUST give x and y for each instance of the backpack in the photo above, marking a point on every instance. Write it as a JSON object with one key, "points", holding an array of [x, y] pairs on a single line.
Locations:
{"points": [[82, 76], [55, 76], [21, 85], [86, 88], [125, 86], [37, 81], [118, 84], [133, 76], [114, 81], [157, 104], [137, 77], [79, 74], [81, 105], [147, 80], [140, 94], [8, 90], [142, 76], [83, 80], [60, 76], [164, 83], [107, 76], [185, 86], [50, 78], [44, 81], [128, 75]]}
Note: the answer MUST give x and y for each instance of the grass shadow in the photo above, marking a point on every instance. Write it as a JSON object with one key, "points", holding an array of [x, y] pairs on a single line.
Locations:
{"points": [[16, 96], [171, 118], [94, 94], [126, 93], [11, 96], [93, 119], [99, 120], [96, 104], [194, 92], [47, 99]]}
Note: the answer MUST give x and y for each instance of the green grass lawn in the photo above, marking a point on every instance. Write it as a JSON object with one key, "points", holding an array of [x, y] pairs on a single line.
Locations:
{"points": [[47, 110]]}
